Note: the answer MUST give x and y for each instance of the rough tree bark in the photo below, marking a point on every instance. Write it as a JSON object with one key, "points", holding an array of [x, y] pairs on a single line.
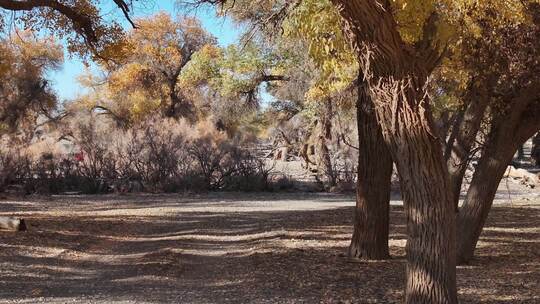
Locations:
{"points": [[371, 216], [473, 214], [396, 74], [427, 197], [508, 132], [325, 161], [463, 137], [514, 113], [179, 106]]}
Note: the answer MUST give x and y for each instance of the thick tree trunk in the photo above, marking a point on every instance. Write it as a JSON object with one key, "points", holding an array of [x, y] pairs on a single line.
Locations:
{"points": [[371, 224], [462, 139], [396, 75], [431, 274]]}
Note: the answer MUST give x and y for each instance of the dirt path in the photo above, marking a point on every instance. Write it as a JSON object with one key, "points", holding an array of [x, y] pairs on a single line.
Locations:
{"points": [[238, 248]]}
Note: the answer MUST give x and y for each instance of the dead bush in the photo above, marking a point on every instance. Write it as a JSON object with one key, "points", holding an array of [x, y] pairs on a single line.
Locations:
{"points": [[156, 156], [224, 165], [95, 163], [248, 173], [14, 167]]}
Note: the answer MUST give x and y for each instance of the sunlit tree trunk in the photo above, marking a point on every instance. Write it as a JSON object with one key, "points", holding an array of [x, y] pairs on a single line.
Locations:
{"points": [[396, 82], [426, 192], [371, 223]]}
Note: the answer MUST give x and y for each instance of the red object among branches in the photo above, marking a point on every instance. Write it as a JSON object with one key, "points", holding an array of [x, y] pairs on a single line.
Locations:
{"points": [[79, 157]]}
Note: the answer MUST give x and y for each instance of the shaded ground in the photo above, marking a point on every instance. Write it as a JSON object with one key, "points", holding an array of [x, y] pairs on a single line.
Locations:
{"points": [[238, 248]]}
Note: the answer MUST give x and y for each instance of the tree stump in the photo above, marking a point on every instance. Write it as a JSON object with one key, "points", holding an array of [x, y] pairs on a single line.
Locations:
{"points": [[12, 224]]}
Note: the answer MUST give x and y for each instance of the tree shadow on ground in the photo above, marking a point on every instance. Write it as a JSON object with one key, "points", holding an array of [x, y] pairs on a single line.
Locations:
{"points": [[232, 256]]}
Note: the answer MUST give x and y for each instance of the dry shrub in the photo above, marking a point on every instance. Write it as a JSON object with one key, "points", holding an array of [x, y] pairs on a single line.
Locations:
{"points": [[344, 167], [166, 155], [153, 155], [13, 167], [96, 165], [158, 155], [283, 183], [247, 172], [226, 164]]}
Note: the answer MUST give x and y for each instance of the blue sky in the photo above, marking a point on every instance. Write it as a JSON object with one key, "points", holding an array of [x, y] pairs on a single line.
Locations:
{"points": [[65, 80]]}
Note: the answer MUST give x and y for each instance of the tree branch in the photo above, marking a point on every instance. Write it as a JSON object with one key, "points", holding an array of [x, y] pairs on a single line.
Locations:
{"points": [[126, 10], [82, 23], [270, 78]]}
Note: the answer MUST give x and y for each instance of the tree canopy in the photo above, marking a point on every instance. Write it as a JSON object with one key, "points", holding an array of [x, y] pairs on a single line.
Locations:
{"points": [[25, 92]]}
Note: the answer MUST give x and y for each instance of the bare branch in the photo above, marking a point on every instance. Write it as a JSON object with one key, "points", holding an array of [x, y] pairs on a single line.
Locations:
{"points": [[83, 24]]}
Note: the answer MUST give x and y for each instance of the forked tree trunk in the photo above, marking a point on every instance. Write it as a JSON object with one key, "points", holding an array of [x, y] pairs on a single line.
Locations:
{"points": [[507, 134], [462, 139], [371, 216], [396, 81]]}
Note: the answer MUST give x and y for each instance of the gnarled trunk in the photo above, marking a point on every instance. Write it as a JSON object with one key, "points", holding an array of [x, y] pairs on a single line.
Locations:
{"points": [[416, 149], [371, 220], [507, 133], [396, 82]]}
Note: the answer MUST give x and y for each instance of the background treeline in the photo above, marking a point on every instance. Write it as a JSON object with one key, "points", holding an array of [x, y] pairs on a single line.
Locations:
{"points": [[170, 110]]}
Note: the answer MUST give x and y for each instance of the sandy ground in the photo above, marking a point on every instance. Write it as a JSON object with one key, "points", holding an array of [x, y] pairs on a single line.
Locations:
{"points": [[240, 248]]}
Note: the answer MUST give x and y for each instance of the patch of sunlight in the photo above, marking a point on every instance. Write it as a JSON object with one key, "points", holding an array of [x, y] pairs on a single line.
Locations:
{"points": [[65, 270], [397, 243], [486, 294], [225, 283], [16, 273], [215, 238], [469, 267], [530, 272], [37, 251], [513, 230], [304, 244], [142, 278], [219, 252]]}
